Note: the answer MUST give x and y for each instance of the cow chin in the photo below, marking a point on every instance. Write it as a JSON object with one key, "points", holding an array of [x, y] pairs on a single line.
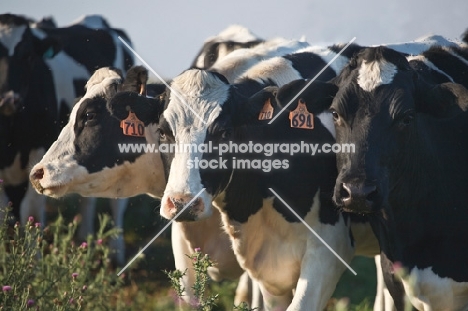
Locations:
{"points": [[198, 208]]}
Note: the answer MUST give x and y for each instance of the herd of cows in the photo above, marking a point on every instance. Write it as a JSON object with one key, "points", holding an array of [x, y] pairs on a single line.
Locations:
{"points": [[398, 197]]}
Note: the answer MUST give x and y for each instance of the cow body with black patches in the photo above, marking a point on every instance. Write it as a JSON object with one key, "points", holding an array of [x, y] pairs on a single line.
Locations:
{"points": [[257, 223], [409, 170]]}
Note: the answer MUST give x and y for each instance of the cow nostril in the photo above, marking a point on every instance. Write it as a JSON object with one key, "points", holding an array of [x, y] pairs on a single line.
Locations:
{"points": [[38, 174], [344, 191]]}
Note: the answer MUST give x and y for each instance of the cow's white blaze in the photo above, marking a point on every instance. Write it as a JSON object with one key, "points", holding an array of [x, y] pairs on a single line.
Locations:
{"points": [[204, 94], [11, 36], [375, 73]]}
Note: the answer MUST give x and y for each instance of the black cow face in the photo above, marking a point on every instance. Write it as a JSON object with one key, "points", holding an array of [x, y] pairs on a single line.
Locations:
{"points": [[379, 107]]}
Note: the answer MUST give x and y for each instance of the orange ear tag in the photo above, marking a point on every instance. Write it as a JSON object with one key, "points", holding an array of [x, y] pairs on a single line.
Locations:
{"points": [[301, 118], [132, 126], [267, 111]]}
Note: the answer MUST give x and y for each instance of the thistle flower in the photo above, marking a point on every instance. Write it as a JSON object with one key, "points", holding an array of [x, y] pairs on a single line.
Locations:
{"points": [[6, 288], [30, 303]]}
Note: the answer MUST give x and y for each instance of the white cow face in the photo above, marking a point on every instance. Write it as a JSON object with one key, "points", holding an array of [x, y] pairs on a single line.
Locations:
{"points": [[196, 101]]}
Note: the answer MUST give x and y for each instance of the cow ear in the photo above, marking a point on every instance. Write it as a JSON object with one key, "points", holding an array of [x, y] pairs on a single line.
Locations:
{"points": [[146, 109], [259, 108], [318, 95], [135, 80], [443, 100]]}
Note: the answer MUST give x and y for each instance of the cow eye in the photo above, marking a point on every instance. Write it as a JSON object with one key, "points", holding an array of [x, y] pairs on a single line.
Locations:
{"points": [[335, 115], [407, 118], [90, 116], [162, 135]]}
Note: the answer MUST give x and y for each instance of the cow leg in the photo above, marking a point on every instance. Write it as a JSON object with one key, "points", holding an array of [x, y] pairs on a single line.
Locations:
{"points": [[88, 214], [320, 269], [257, 298], [395, 286], [383, 299], [118, 207], [243, 290]]}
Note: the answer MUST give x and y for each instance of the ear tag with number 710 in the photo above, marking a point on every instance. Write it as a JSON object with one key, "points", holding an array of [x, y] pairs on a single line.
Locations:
{"points": [[132, 126], [267, 111], [301, 118]]}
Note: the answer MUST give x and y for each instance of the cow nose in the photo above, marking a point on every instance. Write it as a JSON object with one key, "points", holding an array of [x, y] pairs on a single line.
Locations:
{"points": [[358, 198], [37, 174], [193, 208]]}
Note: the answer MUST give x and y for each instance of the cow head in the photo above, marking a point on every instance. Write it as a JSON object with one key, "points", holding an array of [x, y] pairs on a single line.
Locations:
{"points": [[21, 55], [195, 115], [86, 157], [380, 106]]}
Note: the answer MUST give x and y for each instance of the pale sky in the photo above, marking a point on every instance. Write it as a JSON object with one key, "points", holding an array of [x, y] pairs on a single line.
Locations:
{"points": [[168, 34]]}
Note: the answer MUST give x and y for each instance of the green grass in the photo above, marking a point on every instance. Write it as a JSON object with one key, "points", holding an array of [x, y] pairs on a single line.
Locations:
{"points": [[148, 288]]}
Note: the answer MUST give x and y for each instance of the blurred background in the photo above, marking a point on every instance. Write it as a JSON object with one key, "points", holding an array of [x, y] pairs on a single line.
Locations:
{"points": [[168, 34]]}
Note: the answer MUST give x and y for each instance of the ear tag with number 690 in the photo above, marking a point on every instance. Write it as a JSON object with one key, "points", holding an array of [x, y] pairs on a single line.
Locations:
{"points": [[132, 126], [301, 118]]}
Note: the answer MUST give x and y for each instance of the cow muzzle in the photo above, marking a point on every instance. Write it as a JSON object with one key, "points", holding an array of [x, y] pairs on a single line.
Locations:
{"points": [[358, 198], [172, 205]]}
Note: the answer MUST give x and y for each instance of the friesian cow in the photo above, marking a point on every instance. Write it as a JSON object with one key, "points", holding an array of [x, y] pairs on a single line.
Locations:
{"points": [[38, 85], [409, 170], [116, 180], [408, 121]]}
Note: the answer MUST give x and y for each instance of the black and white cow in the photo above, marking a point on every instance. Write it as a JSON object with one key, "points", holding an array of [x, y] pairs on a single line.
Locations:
{"points": [[38, 86], [217, 47], [408, 121]]}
